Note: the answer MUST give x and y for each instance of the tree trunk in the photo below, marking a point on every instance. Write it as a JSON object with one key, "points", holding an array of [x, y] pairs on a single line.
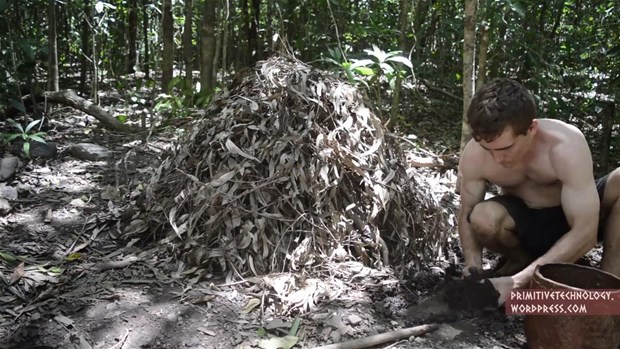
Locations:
{"points": [[188, 48], [269, 26], [167, 57], [85, 38], [225, 36], [482, 57], [145, 40], [403, 25], [132, 37], [94, 86], [207, 48], [255, 53], [469, 44], [609, 112], [52, 77]]}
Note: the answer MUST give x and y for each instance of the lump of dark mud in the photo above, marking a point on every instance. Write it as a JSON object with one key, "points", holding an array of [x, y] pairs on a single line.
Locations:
{"points": [[471, 294]]}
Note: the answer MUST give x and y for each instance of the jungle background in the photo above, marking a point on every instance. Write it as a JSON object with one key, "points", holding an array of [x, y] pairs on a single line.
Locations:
{"points": [[137, 75]]}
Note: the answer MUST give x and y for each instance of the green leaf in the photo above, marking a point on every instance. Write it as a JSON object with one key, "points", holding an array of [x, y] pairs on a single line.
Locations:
{"points": [[365, 71], [518, 8], [13, 136], [32, 124], [402, 60], [295, 327], [362, 63], [261, 332], [26, 148], [122, 118], [17, 105], [4, 4], [7, 257], [386, 68], [37, 138]]}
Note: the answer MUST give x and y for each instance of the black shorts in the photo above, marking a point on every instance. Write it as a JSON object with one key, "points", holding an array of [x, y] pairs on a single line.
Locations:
{"points": [[539, 229]]}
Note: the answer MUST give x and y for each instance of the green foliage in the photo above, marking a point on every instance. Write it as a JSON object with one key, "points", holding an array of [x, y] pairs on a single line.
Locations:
{"points": [[25, 134], [375, 70], [179, 100]]}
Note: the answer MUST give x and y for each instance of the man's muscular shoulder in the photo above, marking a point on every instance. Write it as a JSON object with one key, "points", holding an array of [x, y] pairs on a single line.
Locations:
{"points": [[472, 159], [568, 147]]}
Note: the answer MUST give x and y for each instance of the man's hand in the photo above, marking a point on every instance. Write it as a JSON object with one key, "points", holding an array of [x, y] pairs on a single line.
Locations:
{"points": [[503, 285], [471, 272]]}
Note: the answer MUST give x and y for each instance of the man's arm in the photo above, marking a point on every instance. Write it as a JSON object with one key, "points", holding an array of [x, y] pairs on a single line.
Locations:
{"points": [[472, 191], [580, 202]]}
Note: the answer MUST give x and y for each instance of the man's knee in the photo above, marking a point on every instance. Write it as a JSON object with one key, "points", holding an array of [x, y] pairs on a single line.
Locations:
{"points": [[487, 219]]}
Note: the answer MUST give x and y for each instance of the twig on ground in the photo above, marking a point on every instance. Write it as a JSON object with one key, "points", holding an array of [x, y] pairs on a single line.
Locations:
{"points": [[121, 341], [381, 338], [103, 266]]}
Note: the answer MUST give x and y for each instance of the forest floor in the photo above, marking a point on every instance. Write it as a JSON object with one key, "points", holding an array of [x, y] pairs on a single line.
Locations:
{"points": [[112, 296]]}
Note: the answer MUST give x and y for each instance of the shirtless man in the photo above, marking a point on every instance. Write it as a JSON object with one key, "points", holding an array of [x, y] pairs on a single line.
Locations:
{"points": [[551, 208]]}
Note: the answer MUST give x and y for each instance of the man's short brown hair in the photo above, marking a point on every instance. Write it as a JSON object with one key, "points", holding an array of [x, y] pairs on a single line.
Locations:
{"points": [[500, 103]]}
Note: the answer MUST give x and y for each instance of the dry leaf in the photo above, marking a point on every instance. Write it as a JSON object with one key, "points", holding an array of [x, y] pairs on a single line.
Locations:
{"points": [[18, 273], [286, 342], [252, 303], [235, 150]]}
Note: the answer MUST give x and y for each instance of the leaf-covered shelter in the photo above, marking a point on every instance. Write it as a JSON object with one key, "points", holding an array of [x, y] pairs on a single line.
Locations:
{"points": [[290, 168]]}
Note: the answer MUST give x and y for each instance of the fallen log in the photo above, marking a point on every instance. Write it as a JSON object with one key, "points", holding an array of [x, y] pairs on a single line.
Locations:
{"points": [[381, 338], [71, 99]]}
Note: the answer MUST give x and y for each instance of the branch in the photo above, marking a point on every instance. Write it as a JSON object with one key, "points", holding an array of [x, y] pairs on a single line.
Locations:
{"points": [[437, 89], [381, 338], [70, 98]]}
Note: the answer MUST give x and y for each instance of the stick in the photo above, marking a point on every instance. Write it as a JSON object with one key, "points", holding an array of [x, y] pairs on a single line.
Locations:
{"points": [[382, 338]]}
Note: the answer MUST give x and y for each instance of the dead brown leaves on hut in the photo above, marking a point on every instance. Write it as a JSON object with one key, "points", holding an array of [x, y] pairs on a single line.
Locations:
{"points": [[290, 169]]}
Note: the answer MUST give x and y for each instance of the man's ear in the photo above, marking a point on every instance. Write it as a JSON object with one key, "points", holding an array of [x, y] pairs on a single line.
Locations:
{"points": [[533, 127]]}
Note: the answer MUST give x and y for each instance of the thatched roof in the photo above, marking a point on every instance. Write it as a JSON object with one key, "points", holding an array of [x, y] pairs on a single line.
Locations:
{"points": [[287, 169]]}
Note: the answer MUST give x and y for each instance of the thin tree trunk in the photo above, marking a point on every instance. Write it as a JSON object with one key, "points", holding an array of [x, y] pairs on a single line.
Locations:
{"points": [[269, 26], [85, 38], [482, 57], [167, 59], [52, 77], [609, 112], [255, 53], [218, 41], [132, 37], [403, 24], [188, 48], [94, 86], [145, 39], [207, 47], [225, 36], [469, 43]]}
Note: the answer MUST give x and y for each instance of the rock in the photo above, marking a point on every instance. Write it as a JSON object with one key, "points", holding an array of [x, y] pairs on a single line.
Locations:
{"points": [[38, 150], [5, 207], [47, 150], [354, 319], [8, 166], [77, 203], [89, 151], [446, 332], [8, 192]]}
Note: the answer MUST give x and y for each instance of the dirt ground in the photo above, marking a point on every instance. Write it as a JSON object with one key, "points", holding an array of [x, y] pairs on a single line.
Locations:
{"points": [[111, 295]]}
